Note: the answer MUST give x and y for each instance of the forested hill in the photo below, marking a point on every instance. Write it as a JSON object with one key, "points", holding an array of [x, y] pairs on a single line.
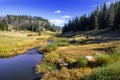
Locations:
{"points": [[105, 16], [24, 22]]}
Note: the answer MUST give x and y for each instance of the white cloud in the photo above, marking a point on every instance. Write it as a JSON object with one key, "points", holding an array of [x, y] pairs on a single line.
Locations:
{"points": [[58, 11], [66, 16], [58, 22]]}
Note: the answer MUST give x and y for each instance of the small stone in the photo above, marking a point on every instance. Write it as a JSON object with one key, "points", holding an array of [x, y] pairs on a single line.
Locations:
{"points": [[90, 58]]}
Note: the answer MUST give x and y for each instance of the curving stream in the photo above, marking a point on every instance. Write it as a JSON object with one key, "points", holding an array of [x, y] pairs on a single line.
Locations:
{"points": [[21, 67]]}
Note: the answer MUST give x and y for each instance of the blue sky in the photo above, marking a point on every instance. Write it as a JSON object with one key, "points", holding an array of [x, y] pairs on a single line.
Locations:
{"points": [[56, 11]]}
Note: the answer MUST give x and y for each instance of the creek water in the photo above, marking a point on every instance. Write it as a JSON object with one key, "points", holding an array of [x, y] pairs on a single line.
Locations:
{"points": [[21, 67]]}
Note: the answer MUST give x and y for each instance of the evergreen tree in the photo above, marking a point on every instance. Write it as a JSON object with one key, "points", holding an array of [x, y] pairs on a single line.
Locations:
{"points": [[111, 15], [96, 14], [117, 19], [104, 17], [91, 26], [100, 17]]}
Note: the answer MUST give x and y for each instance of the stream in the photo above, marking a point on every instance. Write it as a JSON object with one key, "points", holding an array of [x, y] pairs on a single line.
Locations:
{"points": [[21, 67]]}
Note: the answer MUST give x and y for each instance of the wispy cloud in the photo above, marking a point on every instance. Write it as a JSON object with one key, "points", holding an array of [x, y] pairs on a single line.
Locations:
{"points": [[57, 11], [58, 22], [66, 16]]}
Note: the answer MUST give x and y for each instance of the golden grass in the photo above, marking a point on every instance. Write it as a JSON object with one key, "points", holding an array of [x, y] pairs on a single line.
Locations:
{"points": [[88, 49], [63, 74], [12, 43]]}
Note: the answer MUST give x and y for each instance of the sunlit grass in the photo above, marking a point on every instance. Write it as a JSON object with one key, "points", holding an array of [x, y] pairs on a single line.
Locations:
{"points": [[18, 42]]}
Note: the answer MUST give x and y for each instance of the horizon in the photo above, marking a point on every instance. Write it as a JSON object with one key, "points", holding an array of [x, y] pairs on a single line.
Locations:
{"points": [[57, 13]]}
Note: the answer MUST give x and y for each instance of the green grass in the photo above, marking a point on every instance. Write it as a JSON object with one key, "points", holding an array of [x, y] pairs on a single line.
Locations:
{"points": [[110, 69], [80, 62], [52, 57], [104, 59], [102, 67], [109, 72], [50, 47], [62, 44], [45, 67]]}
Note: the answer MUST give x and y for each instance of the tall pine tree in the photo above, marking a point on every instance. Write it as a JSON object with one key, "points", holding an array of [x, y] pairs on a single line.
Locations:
{"points": [[111, 15], [117, 19]]}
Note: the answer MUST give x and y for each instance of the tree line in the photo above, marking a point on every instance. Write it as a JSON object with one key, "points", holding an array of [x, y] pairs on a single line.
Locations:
{"points": [[105, 16], [24, 22]]}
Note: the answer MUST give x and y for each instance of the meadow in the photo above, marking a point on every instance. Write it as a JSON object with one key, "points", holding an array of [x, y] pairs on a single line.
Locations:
{"points": [[66, 61], [12, 43]]}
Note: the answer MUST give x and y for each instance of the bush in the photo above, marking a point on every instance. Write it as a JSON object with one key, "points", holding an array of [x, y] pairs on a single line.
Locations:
{"points": [[110, 72], [62, 43], [103, 60], [45, 67], [52, 57], [116, 53], [81, 62], [50, 47]]}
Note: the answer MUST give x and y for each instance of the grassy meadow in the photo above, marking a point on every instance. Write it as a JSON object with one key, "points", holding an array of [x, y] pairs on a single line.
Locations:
{"points": [[12, 43], [64, 60], [105, 55]]}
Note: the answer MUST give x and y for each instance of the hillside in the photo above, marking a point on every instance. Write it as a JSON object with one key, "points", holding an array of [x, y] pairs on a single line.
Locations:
{"points": [[24, 22]]}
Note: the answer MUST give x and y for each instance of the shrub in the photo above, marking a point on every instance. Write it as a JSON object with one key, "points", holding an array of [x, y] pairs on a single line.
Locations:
{"points": [[45, 67], [50, 47], [52, 57], [62, 43], [110, 72], [116, 53], [81, 62], [103, 60]]}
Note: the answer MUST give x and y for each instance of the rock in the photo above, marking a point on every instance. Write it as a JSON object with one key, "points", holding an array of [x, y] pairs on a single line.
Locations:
{"points": [[90, 58], [97, 53]]}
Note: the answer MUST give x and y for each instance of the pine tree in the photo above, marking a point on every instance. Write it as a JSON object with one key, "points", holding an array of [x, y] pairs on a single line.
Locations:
{"points": [[104, 17], [117, 19], [111, 15], [91, 21], [96, 14], [100, 17]]}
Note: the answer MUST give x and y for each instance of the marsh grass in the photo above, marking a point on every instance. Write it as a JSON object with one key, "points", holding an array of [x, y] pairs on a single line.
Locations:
{"points": [[52, 57], [13, 43], [60, 44], [109, 72], [50, 47], [80, 62], [63, 74], [45, 67]]}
